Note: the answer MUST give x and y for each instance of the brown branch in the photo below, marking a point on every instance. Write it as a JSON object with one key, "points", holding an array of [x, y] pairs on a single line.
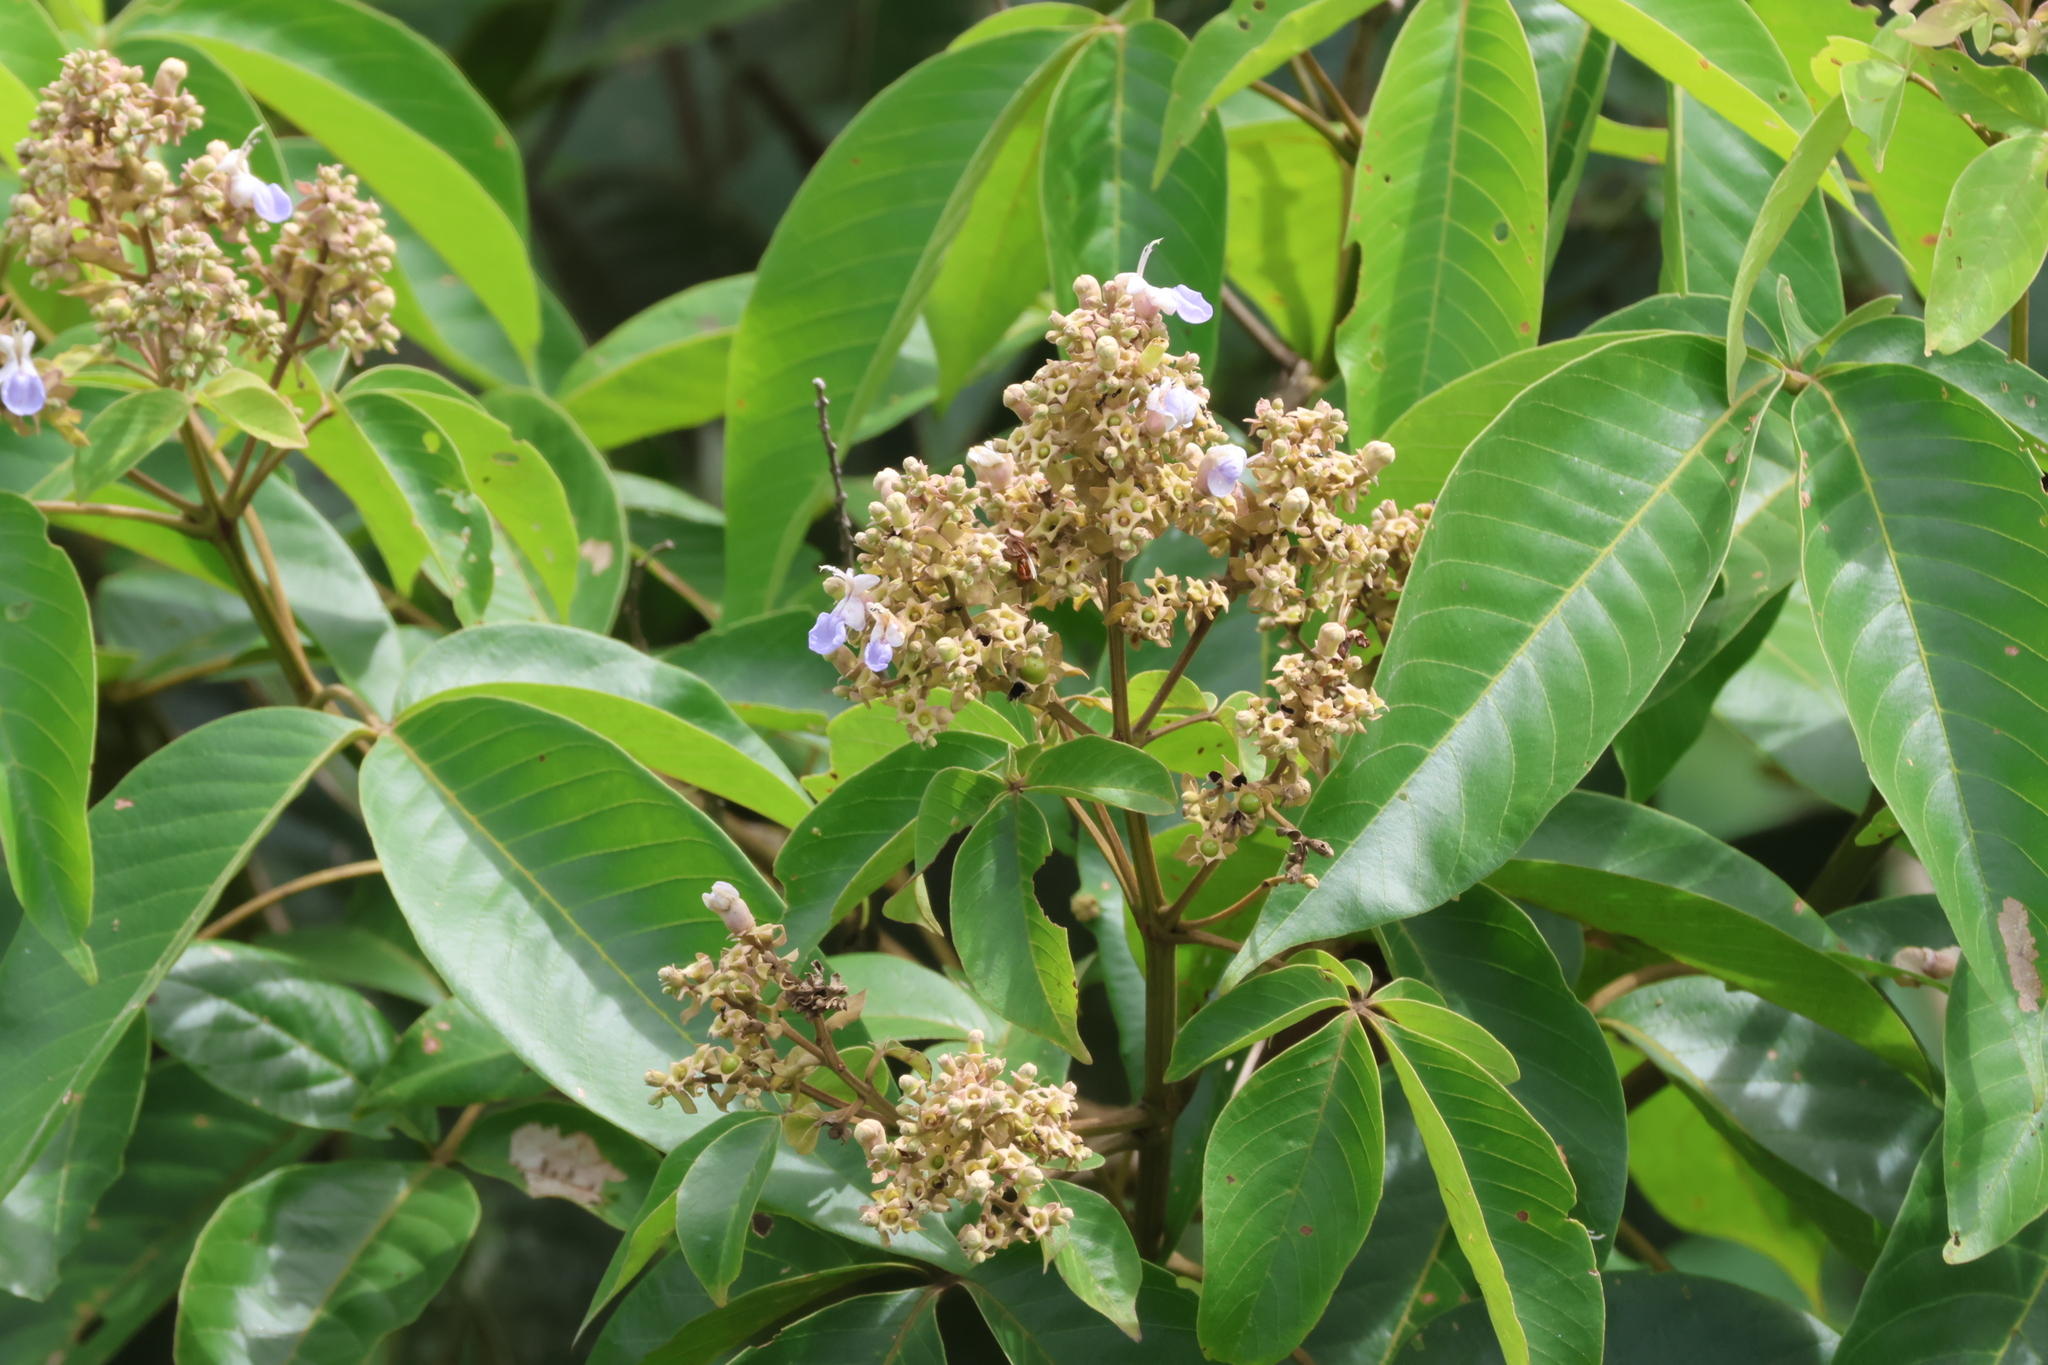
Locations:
{"points": [[1173, 912], [1163, 731], [122, 692], [1642, 1248], [257, 904], [846, 545], [457, 1135], [1308, 116], [404, 608], [1333, 98], [158, 490], [1180, 666], [1196, 936], [1636, 980], [1240, 903], [117, 511], [1640, 1084], [1112, 849], [680, 586], [1290, 359]]}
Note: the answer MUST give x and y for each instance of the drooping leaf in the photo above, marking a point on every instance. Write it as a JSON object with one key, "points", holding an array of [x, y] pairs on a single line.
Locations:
{"points": [[715, 1201], [1508, 1196], [396, 111], [1632, 524], [872, 1329], [1016, 958], [669, 720], [48, 715], [45, 1215], [320, 1263], [1038, 1321], [1104, 137], [449, 1056], [710, 1337], [1097, 1256], [1491, 965], [1450, 213], [956, 798], [261, 1028], [549, 879], [1993, 238], [1289, 1186], [165, 842], [1257, 1008], [126, 430], [907, 1001], [843, 279], [663, 369], [193, 1147], [1094, 768]]}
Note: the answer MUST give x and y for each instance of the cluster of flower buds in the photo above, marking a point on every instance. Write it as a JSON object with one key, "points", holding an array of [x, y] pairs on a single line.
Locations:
{"points": [[167, 263], [972, 1135], [749, 990]]}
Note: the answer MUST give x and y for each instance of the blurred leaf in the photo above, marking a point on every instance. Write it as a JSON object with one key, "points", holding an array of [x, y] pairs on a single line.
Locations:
{"points": [[555, 1150], [715, 1201], [1661, 734], [193, 1147], [397, 112], [243, 401], [1095, 768], [663, 369], [551, 920], [125, 431], [357, 955], [1993, 239], [48, 717], [763, 668], [1017, 959], [32, 53], [261, 1028], [1449, 213], [843, 279], [1256, 1008], [448, 1057], [1289, 1186], [1038, 1321], [1492, 966], [320, 1263], [165, 841], [873, 1329], [1286, 234], [1031, 14], [710, 1337], [1633, 529], [46, 1213], [594, 506], [669, 720], [1572, 60], [2005, 99], [1784, 702]]}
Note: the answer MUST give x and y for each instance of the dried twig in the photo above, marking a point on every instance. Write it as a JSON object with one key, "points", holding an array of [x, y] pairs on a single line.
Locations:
{"points": [[846, 545]]}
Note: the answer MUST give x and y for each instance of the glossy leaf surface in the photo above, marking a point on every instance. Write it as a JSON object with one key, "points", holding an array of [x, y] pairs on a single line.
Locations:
{"points": [[1256, 1008], [715, 1201], [1017, 959], [1993, 238]]}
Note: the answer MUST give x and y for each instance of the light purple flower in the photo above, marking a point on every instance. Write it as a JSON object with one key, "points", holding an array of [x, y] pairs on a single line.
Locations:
{"points": [[270, 201], [21, 388], [878, 653], [1179, 301], [1175, 402], [828, 632], [888, 637], [1221, 470]]}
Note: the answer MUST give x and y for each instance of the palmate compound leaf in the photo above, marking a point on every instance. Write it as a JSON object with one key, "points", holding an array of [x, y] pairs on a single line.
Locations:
{"points": [[841, 282], [1620, 476], [1508, 1196], [549, 878], [1289, 1185], [1449, 210], [1926, 556], [48, 712], [319, 1263], [165, 842]]}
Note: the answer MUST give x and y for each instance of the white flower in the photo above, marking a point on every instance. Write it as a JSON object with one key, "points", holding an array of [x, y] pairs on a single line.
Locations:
{"points": [[991, 468], [852, 592], [1179, 301], [1221, 470], [1176, 403], [21, 388], [723, 900], [245, 191]]}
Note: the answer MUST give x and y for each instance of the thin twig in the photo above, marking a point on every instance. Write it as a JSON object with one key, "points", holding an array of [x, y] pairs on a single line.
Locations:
{"points": [[1311, 93], [1181, 724], [1173, 912], [1642, 1248], [1240, 903], [116, 510], [1308, 116], [1112, 849], [846, 545], [640, 558], [1640, 1084], [1636, 980], [169, 495], [1289, 358], [680, 586], [257, 904], [1180, 666], [1333, 98], [1186, 935], [123, 691], [457, 1135], [405, 609], [1122, 1120]]}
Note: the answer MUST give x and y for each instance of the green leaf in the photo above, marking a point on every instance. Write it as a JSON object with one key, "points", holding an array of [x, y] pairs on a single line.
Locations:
{"points": [[598, 519], [201, 1147], [843, 279], [1286, 235], [765, 670], [1235, 48], [1016, 958], [1289, 1186], [711, 1336], [715, 1202], [126, 430], [1256, 1008], [1846, 1124], [1449, 210], [1662, 733], [244, 401], [1927, 588], [1997, 1168], [872, 1329], [1418, 1007], [1096, 768], [1980, 369], [332, 595], [449, 1056], [1716, 181], [669, 720], [1492, 965], [1632, 528], [1102, 199], [403, 475], [357, 955], [907, 1001], [1784, 702], [1875, 93], [1572, 60], [165, 841], [320, 1263], [2005, 99], [1031, 14], [956, 798], [1916, 1307], [864, 832], [258, 1026], [555, 1150], [549, 878], [1782, 206], [1432, 435], [1993, 238], [1039, 1322], [663, 369], [48, 715], [1097, 1256], [1508, 1196], [45, 1215], [396, 111]]}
